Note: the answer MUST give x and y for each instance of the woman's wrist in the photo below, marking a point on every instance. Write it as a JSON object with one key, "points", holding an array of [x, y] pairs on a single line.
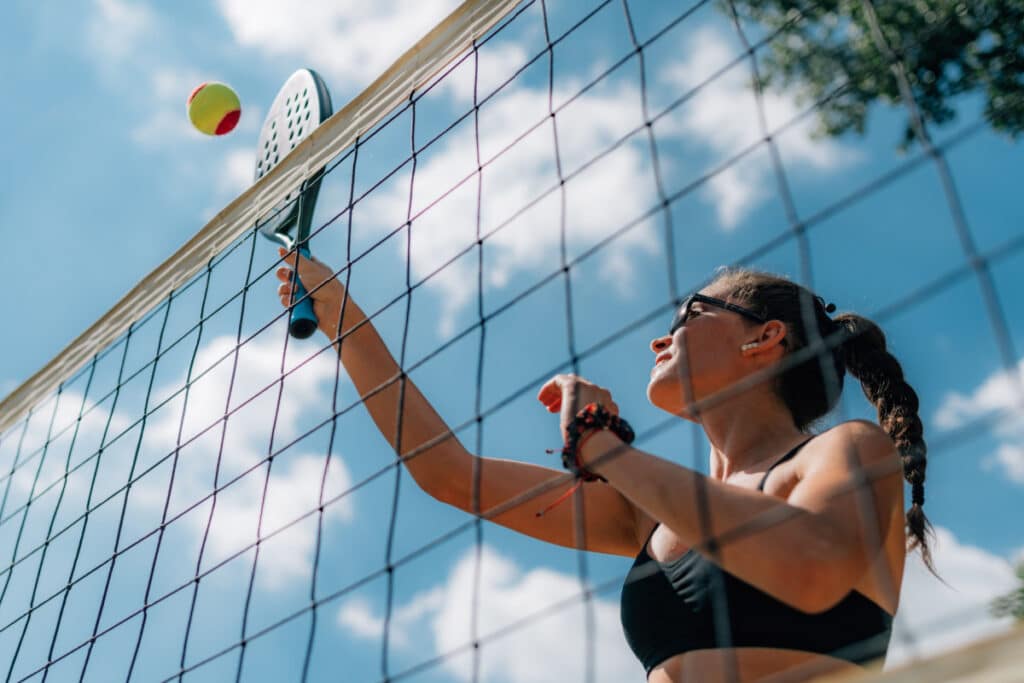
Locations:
{"points": [[590, 421], [338, 324], [593, 445], [598, 431]]}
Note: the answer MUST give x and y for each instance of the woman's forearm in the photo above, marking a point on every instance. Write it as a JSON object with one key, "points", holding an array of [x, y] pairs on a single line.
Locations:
{"points": [[763, 540], [379, 381]]}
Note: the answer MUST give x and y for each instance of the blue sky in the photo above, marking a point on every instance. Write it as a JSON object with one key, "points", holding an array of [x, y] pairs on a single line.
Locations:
{"points": [[109, 180]]}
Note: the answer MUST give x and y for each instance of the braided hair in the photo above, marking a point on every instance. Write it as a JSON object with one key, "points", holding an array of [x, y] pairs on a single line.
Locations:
{"points": [[827, 348]]}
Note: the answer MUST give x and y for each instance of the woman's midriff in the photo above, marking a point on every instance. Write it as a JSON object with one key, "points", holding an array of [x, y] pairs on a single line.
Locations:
{"points": [[744, 664]]}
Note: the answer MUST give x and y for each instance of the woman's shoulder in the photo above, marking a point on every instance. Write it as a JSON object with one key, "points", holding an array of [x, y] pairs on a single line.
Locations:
{"points": [[863, 439], [856, 431]]}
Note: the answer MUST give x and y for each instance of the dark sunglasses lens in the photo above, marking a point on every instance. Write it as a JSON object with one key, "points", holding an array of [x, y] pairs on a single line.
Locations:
{"points": [[680, 318]]}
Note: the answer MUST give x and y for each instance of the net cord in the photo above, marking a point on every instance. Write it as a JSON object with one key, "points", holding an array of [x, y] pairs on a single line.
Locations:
{"points": [[477, 471]]}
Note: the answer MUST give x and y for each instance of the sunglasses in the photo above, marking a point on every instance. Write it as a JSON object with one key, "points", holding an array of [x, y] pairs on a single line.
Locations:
{"points": [[683, 314]]}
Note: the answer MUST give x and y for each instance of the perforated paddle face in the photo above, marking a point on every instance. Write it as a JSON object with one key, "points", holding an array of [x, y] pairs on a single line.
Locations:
{"points": [[301, 105]]}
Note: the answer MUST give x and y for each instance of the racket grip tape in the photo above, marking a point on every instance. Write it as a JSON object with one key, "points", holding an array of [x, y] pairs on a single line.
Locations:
{"points": [[303, 322]]}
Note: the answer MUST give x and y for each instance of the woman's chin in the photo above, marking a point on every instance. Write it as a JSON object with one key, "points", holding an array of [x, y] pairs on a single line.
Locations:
{"points": [[670, 401]]}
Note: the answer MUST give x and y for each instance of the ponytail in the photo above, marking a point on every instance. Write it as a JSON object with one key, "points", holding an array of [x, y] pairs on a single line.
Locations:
{"points": [[881, 376]]}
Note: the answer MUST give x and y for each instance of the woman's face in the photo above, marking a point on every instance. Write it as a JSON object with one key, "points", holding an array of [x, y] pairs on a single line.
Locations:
{"points": [[702, 356]]}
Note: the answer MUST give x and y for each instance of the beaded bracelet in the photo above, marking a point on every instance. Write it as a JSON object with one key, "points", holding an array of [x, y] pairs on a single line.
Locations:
{"points": [[592, 417], [588, 421]]}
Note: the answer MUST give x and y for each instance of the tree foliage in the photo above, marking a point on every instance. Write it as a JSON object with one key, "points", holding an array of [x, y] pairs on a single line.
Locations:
{"points": [[948, 48], [1011, 604]]}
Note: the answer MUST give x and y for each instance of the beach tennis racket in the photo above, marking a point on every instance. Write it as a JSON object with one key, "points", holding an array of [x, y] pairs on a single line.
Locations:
{"points": [[302, 104]]}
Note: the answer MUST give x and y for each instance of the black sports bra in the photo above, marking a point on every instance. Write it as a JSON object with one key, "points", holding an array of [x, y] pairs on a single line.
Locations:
{"points": [[690, 603]]}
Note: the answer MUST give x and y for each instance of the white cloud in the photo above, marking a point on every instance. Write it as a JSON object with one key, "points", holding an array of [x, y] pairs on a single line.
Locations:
{"points": [[723, 117], [934, 617], [494, 65], [736, 190], [999, 394], [295, 480], [600, 200], [237, 173], [118, 29], [1010, 460], [353, 42], [608, 195], [235, 177], [31, 475], [357, 616], [290, 495], [163, 127], [167, 123], [550, 648], [362, 39]]}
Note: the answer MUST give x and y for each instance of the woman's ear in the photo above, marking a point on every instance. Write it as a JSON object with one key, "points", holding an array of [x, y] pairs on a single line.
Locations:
{"points": [[770, 335]]}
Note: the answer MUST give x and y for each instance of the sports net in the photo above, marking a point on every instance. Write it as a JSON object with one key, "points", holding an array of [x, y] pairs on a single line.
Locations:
{"points": [[190, 494]]}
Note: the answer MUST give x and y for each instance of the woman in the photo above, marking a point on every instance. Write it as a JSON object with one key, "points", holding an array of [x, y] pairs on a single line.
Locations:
{"points": [[786, 561]]}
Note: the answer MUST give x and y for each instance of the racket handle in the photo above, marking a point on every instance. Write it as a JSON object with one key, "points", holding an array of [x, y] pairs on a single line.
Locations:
{"points": [[303, 322]]}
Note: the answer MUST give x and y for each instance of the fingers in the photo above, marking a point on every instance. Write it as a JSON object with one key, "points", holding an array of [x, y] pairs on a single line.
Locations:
{"points": [[289, 257], [285, 294], [285, 291], [284, 273], [551, 394], [562, 388], [311, 271], [290, 254], [324, 290], [556, 391]]}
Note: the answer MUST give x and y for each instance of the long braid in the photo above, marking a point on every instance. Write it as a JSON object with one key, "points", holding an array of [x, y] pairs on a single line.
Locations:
{"points": [[881, 376]]}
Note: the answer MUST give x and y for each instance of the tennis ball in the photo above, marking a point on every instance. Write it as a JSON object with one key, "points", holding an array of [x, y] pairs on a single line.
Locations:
{"points": [[214, 108]]}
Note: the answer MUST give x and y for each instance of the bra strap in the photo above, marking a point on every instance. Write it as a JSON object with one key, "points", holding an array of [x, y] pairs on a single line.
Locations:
{"points": [[787, 456]]}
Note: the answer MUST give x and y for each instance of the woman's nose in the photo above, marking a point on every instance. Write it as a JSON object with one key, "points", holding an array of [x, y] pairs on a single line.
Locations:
{"points": [[661, 343]]}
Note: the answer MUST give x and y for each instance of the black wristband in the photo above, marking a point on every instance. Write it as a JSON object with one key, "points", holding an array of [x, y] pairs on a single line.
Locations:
{"points": [[592, 416]]}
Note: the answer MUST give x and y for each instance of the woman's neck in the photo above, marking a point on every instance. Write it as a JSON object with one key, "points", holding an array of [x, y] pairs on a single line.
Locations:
{"points": [[747, 434]]}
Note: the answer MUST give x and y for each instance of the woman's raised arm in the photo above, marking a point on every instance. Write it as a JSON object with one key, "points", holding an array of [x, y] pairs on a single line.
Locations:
{"points": [[441, 466]]}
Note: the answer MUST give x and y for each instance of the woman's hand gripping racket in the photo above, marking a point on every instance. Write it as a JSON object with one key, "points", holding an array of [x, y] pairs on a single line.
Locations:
{"points": [[302, 104], [329, 293]]}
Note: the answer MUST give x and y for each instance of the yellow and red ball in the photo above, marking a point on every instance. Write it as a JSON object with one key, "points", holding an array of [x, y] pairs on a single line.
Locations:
{"points": [[214, 108]]}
